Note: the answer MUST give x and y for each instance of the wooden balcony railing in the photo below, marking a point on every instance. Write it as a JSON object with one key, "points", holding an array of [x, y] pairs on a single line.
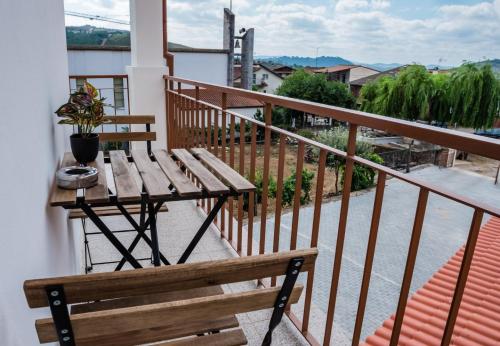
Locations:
{"points": [[194, 123]]}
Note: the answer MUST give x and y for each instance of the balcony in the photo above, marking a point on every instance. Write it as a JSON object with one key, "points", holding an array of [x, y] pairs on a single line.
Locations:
{"points": [[432, 228]]}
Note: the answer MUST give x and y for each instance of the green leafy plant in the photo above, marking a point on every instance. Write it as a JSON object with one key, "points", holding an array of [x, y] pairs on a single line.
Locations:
{"points": [[362, 176], [306, 133], [289, 188], [259, 182], [84, 109]]}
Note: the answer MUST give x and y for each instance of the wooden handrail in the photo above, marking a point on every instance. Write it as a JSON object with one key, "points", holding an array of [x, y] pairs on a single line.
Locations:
{"points": [[483, 146], [213, 121]]}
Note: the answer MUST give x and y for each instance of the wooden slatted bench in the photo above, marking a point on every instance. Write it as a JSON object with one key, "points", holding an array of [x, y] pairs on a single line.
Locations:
{"points": [[166, 303]]}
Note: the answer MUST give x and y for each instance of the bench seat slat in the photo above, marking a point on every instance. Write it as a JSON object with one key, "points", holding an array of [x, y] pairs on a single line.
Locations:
{"points": [[98, 286], [181, 182], [130, 119], [145, 300], [110, 211], [150, 335], [127, 136], [223, 171], [234, 337], [95, 324], [211, 183]]}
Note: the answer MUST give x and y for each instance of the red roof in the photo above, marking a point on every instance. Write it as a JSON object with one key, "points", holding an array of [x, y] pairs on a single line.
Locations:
{"points": [[478, 321], [215, 98]]}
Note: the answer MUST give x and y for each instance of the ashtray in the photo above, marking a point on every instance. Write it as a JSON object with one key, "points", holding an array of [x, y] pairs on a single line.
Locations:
{"points": [[76, 177]]}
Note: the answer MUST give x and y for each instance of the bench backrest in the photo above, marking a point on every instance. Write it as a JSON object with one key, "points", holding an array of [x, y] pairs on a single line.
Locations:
{"points": [[91, 327], [130, 136]]}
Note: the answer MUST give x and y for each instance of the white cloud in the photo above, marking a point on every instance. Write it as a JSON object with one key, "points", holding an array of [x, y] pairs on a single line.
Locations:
{"points": [[360, 30]]}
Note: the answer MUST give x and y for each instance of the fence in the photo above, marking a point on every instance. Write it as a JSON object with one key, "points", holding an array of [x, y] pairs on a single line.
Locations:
{"points": [[193, 123]]}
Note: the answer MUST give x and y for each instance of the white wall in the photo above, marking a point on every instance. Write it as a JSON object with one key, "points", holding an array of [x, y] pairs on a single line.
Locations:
{"points": [[360, 72], [273, 82], [204, 67], [36, 241], [94, 62]]}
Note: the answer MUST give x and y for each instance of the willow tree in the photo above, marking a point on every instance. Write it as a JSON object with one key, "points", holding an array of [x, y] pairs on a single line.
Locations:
{"points": [[469, 96], [474, 94]]}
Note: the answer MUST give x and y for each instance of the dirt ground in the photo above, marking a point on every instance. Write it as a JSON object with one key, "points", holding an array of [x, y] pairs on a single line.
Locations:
{"points": [[290, 165], [479, 164]]}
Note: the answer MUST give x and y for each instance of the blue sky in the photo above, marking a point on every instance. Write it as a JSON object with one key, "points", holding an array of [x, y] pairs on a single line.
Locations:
{"points": [[425, 31]]}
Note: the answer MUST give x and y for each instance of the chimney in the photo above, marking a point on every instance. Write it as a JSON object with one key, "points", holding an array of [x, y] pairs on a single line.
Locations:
{"points": [[247, 59], [228, 44]]}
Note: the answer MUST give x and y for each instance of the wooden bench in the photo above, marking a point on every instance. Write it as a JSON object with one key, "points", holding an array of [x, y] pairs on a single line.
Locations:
{"points": [[165, 304]]}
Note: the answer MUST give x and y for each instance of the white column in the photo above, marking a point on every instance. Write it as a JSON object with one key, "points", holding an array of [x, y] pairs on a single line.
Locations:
{"points": [[146, 89]]}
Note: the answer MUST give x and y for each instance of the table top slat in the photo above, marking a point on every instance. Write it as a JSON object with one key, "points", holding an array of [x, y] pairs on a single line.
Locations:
{"points": [[126, 186], [223, 171], [62, 197], [207, 179], [98, 193], [155, 181], [181, 182]]}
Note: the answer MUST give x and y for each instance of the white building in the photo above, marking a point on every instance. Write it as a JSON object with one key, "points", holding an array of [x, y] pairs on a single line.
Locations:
{"points": [[346, 73], [264, 79]]}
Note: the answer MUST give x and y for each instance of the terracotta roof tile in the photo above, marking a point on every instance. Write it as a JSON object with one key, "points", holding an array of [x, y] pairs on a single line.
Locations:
{"points": [[478, 321]]}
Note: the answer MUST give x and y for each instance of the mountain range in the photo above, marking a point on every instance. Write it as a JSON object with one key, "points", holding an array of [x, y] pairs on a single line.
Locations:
{"points": [[92, 36]]}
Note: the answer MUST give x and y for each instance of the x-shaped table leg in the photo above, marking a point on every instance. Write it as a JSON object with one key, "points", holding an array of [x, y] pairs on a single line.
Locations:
{"points": [[210, 218], [111, 237], [141, 232]]}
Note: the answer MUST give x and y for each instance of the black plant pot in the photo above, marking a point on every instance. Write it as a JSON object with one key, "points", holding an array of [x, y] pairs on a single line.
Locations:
{"points": [[85, 149]]}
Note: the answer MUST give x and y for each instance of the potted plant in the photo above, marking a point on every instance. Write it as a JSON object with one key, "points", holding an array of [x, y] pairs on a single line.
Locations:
{"points": [[85, 110]]}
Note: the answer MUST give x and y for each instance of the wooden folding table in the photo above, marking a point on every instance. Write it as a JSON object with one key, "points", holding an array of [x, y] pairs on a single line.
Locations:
{"points": [[164, 179]]}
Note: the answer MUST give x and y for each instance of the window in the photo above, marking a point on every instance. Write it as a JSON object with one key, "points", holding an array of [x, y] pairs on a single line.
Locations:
{"points": [[265, 76], [118, 93], [254, 79], [79, 83]]}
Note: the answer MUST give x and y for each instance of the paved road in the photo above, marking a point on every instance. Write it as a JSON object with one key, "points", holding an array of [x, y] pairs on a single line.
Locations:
{"points": [[445, 230]]}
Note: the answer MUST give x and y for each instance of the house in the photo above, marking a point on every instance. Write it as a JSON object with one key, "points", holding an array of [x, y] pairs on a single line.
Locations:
{"points": [[357, 84], [264, 78], [281, 70], [346, 73]]}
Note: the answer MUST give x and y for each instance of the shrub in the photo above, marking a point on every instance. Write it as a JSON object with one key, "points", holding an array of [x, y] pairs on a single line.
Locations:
{"points": [[363, 177], [289, 188], [259, 182], [306, 133]]}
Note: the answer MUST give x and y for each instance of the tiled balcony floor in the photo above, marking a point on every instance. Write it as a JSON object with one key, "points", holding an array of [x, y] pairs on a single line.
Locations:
{"points": [[176, 229]]}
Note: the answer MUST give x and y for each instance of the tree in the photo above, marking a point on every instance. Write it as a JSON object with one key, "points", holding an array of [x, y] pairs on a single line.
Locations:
{"points": [[315, 88], [363, 177], [474, 96], [469, 96]]}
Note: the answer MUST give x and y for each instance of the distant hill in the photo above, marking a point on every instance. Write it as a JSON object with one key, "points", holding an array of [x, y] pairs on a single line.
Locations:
{"points": [[381, 66], [88, 35], [299, 61], [91, 36], [495, 64]]}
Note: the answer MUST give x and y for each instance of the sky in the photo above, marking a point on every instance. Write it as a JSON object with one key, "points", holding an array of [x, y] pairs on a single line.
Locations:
{"points": [[441, 32]]}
